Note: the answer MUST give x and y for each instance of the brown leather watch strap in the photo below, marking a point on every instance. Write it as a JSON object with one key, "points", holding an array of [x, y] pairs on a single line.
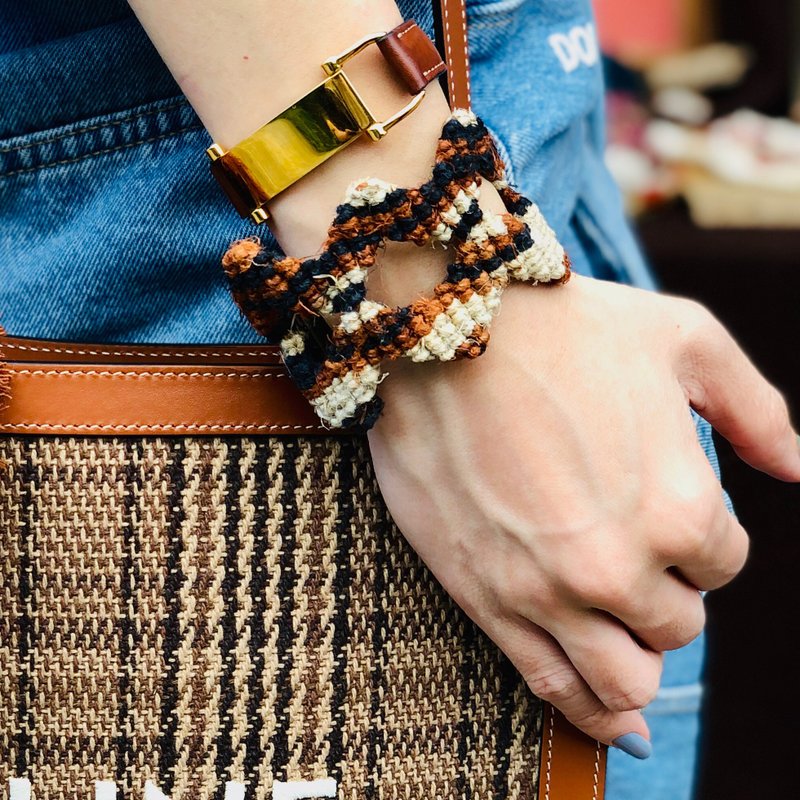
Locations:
{"points": [[412, 55]]}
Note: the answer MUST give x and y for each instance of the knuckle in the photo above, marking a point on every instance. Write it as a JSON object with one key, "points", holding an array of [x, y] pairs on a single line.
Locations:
{"points": [[776, 415], [695, 514], [685, 631], [677, 639], [704, 341], [674, 628], [581, 585], [699, 322], [592, 719], [521, 592], [742, 552], [733, 564], [616, 594], [632, 697], [691, 537], [558, 685], [604, 586]]}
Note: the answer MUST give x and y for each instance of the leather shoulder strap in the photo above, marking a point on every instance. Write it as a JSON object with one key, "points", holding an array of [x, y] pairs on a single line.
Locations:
{"points": [[450, 19], [573, 766]]}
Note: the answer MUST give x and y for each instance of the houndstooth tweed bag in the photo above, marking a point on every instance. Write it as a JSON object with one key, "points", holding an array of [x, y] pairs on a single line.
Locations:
{"points": [[219, 606], [203, 597]]}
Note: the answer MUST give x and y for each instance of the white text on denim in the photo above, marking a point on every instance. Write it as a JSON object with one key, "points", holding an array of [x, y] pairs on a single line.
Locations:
{"points": [[578, 46]]}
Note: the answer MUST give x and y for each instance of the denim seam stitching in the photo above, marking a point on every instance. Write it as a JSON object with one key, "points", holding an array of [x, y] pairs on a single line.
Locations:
{"points": [[109, 124], [86, 156], [133, 353]]}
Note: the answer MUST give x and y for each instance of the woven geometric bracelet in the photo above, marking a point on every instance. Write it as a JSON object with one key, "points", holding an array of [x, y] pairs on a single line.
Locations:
{"points": [[334, 339]]}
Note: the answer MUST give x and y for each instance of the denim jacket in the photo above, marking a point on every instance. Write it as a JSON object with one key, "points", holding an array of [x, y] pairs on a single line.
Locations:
{"points": [[111, 227]]}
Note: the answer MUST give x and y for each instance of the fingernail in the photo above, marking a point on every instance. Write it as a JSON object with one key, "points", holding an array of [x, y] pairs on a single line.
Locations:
{"points": [[634, 745]]}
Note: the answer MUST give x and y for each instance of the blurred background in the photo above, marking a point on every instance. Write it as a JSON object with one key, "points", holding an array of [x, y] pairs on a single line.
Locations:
{"points": [[704, 138]]}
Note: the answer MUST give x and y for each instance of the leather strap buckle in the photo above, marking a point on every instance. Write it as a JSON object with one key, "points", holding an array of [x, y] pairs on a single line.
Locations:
{"points": [[376, 130], [320, 124]]}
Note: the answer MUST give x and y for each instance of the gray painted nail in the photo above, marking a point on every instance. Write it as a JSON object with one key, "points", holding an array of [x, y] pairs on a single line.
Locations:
{"points": [[634, 745]]}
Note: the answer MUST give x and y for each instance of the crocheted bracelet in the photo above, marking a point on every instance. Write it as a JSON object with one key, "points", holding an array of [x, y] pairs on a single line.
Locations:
{"points": [[334, 339]]}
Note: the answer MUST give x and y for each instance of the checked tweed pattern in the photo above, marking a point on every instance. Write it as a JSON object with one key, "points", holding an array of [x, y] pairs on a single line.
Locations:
{"points": [[195, 611]]}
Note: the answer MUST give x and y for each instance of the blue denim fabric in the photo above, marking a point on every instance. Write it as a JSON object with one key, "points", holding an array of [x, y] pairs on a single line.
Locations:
{"points": [[111, 228], [103, 176]]}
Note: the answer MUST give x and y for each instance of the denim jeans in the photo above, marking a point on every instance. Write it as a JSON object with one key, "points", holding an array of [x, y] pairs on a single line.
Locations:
{"points": [[111, 228]]}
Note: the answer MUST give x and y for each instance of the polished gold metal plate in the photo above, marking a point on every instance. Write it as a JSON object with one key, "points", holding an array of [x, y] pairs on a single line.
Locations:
{"points": [[299, 139]]}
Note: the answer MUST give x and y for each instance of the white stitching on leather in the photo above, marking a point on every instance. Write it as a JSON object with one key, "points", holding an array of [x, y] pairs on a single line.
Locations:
{"points": [[93, 373], [449, 54], [148, 427], [435, 66], [401, 34], [134, 353], [177, 427], [466, 52], [551, 735], [596, 776], [551, 731]]}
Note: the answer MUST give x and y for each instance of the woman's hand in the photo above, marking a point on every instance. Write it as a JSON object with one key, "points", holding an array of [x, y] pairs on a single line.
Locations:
{"points": [[557, 489], [555, 486]]}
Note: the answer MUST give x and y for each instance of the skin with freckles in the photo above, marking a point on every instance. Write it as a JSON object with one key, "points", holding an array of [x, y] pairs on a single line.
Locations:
{"points": [[555, 486]]}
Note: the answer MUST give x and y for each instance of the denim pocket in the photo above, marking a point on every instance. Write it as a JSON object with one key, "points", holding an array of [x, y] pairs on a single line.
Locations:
{"points": [[113, 229], [111, 133]]}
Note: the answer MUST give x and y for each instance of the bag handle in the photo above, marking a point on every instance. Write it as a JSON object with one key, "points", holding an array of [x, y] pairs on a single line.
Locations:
{"points": [[450, 24]]}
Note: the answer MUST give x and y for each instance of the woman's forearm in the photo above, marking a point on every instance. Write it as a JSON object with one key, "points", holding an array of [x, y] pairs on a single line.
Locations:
{"points": [[242, 62]]}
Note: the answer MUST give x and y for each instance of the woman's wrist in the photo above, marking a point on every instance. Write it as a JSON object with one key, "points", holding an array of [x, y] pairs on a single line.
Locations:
{"points": [[243, 62], [302, 213]]}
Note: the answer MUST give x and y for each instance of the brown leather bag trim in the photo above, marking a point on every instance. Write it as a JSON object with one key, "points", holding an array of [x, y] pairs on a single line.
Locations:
{"points": [[456, 52], [573, 766], [110, 390], [36, 350]]}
